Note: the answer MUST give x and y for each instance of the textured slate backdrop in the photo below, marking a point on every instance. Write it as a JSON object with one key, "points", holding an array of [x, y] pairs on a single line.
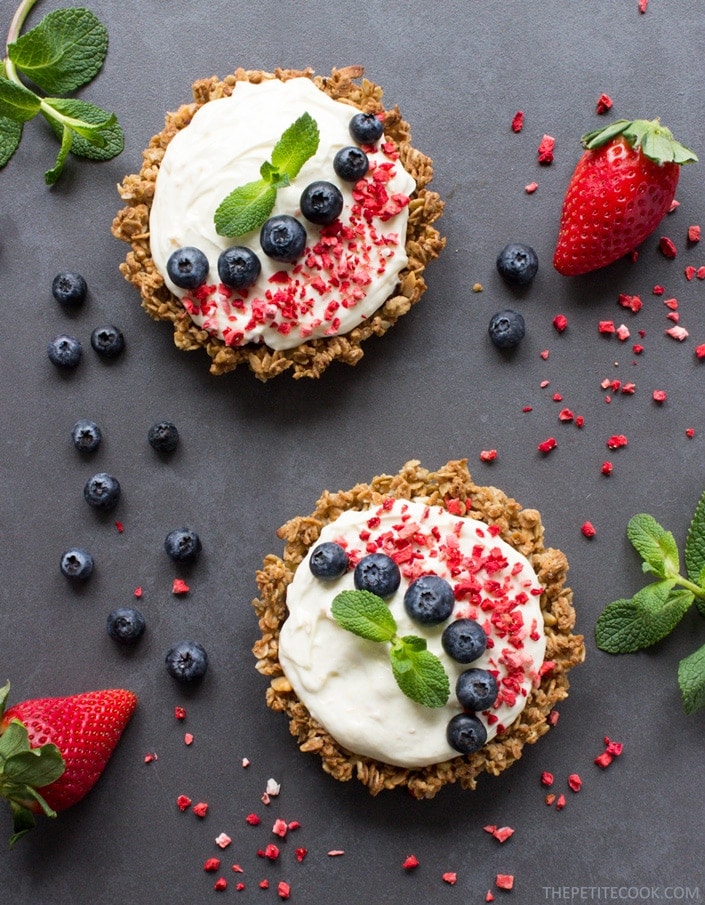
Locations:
{"points": [[254, 455]]}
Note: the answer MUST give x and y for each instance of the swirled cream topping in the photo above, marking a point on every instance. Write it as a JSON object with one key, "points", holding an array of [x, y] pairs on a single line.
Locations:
{"points": [[349, 268], [346, 682]]}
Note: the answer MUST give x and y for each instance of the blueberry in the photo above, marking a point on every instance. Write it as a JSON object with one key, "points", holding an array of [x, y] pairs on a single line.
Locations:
{"points": [[464, 640], [187, 661], [283, 238], [366, 128], [321, 202], [476, 689], [187, 267], [77, 564], [125, 625], [108, 341], [239, 267], [163, 436], [65, 351], [466, 733], [507, 329], [69, 289], [429, 600], [328, 560], [183, 545], [102, 491], [377, 573], [351, 164], [517, 264], [86, 435]]}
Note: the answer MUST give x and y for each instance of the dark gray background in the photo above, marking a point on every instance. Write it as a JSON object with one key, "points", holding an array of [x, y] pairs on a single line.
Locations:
{"points": [[254, 455]]}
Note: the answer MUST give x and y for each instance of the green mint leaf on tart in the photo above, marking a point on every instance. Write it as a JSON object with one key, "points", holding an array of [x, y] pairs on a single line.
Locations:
{"points": [[418, 672], [247, 207], [691, 680], [628, 625], [65, 51]]}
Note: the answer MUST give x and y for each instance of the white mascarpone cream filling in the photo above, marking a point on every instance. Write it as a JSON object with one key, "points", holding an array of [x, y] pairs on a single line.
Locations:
{"points": [[347, 271], [346, 682]]}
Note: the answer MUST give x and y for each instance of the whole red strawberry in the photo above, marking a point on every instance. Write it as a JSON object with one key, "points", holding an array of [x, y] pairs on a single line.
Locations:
{"points": [[620, 190], [52, 750]]}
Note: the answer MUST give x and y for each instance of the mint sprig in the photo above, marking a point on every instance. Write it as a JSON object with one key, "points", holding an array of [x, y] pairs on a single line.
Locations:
{"points": [[65, 51], [247, 207], [628, 625], [418, 672]]}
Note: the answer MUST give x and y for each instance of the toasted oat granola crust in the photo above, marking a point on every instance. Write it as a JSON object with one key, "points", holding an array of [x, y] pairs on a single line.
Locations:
{"points": [[423, 242], [521, 528]]}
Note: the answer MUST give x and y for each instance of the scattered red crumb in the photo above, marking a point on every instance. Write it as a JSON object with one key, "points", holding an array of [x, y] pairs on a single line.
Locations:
{"points": [[410, 862], [603, 760], [628, 389], [700, 273], [544, 383], [616, 441], [693, 234], [545, 150], [188, 738], [264, 884], [700, 351], [280, 828], [502, 833], [531, 187], [212, 864], [604, 103], [565, 415], [579, 421], [588, 529], [200, 809], [240, 886], [560, 802], [138, 592], [271, 852], [690, 432], [679, 333], [518, 121], [335, 852], [675, 204], [544, 354], [489, 897], [560, 322], [553, 717], [450, 877], [557, 397], [530, 408], [549, 799], [672, 304], [488, 455], [659, 396], [253, 819], [236, 869], [547, 445], [148, 758], [612, 750], [658, 290], [283, 890], [667, 247], [690, 272], [504, 881], [245, 763], [120, 527], [623, 333], [293, 825], [637, 348], [179, 587], [547, 778], [575, 783], [606, 327], [183, 802], [642, 5], [180, 712], [301, 854], [223, 840], [220, 884]]}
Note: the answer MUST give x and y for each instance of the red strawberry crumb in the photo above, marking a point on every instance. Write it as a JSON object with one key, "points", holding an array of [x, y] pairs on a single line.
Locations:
{"points": [[188, 739], [489, 897], [560, 322], [614, 748], [212, 864], [223, 840], [560, 802], [674, 206], [283, 890], [700, 351], [667, 247], [545, 355], [606, 327], [301, 854], [138, 592], [557, 397], [335, 852], [236, 869], [179, 587], [565, 415], [148, 758], [253, 819], [700, 273], [658, 290], [575, 783], [200, 809], [518, 121], [693, 234], [690, 272], [502, 833], [544, 383], [529, 408], [616, 441], [604, 103], [220, 884], [240, 887], [531, 187], [180, 713], [280, 827], [690, 432], [547, 778], [545, 150], [588, 529], [579, 421], [245, 763], [623, 333], [450, 877], [637, 348], [659, 396], [642, 5], [271, 852], [504, 881], [120, 527], [546, 446], [553, 717], [488, 455], [264, 884], [672, 304], [603, 760], [183, 802], [410, 862], [679, 333], [549, 799], [294, 825]]}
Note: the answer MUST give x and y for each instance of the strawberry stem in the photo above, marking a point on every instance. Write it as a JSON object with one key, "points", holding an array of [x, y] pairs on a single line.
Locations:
{"points": [[653, 140]]}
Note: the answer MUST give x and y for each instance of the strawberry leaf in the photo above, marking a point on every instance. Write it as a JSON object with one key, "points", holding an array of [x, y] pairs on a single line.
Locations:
{"points": [[22, 821], [35, 768]]}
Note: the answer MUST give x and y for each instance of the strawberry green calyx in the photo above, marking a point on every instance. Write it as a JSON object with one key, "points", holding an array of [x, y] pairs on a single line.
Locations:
{"points": [[23, 770], [654, 140]]}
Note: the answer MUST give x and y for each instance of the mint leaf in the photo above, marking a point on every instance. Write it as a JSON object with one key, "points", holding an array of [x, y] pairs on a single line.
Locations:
{"points": [[629, 625], [364, 614], [691, 680], [63, 52], [51, 176], [419, 673], [695, 544], [97, 134], [10, 135], [245, 209], [17, 102], [298, 143], [656, 546]]}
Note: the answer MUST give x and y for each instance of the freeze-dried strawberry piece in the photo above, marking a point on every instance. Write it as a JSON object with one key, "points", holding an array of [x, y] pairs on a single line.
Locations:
{"points": [[575, 783], [546, 446], [200, 809], [617, 441], [545, 150], [560, 322], [588, 529], [450, 877], [604, 103], [547, 779], [410, 862], [667, 247], [504, 881], [693, 234], [518, 121]]}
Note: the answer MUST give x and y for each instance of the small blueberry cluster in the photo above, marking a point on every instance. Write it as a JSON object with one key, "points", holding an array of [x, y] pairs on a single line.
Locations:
{"points": [[429, 600]]}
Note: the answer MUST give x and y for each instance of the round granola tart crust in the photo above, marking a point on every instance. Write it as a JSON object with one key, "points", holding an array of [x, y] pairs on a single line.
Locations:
{"points": [[521, 528], [423, 241]]}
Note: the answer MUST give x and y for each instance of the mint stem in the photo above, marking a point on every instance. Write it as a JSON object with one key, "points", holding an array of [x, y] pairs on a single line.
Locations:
{"points": [[18, 20]]}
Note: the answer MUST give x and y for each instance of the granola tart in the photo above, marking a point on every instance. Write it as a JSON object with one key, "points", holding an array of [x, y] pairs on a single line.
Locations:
{"points": [[452, 490], [311, 356]]}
